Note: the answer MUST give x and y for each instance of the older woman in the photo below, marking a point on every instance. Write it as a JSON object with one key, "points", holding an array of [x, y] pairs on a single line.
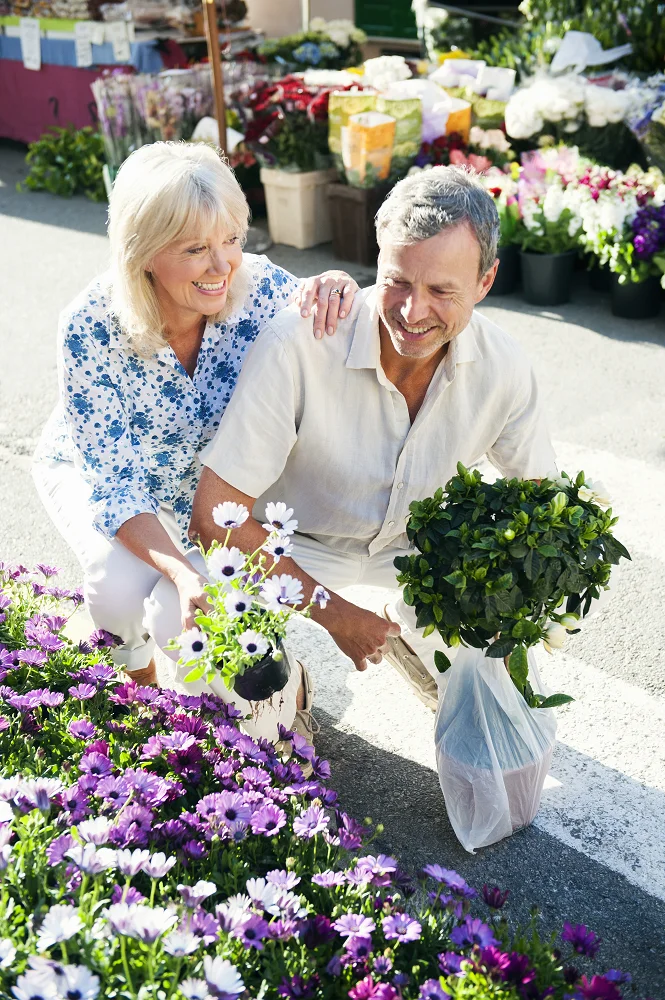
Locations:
{"points": [[148, 357]]}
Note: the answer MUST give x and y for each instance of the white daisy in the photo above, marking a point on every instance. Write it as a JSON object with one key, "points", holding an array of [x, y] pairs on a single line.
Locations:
{"points": [[181, 943], [253, 643], [60, 923], [320, 596], [278, 516], [80, 983], [221, 976], [36, 986], [236, 603], [194, 989], [280, 591], [229, 515], [193, 644], [225, 564], [95, 831], [7, 953], [277, 545]]}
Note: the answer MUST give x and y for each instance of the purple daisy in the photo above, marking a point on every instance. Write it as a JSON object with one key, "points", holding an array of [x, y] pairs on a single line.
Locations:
{"points": [[268, 820], [251, 932], [473, 931], [83, 691], [95, 764], [432, 989], [354, 923], [494, 897], [584, 941], [329, 879], [310, 822], [359, 949], [32, 657], [401, 927]]}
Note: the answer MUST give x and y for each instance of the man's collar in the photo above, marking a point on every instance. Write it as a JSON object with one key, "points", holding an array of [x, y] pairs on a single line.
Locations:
{"points": [[365, 349]]}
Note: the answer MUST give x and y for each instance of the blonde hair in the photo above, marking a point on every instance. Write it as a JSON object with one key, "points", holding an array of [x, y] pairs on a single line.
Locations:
{"points": [[165, 192]]}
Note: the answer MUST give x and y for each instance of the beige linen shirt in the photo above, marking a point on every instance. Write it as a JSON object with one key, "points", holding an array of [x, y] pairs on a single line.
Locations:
{"points": [[317, 424]]}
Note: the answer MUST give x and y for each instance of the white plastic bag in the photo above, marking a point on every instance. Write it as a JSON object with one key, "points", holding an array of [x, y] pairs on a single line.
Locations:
{"points": [[493, 751]]}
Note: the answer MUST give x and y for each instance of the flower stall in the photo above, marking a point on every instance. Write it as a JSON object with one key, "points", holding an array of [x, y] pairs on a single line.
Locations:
{"points": [[150, 847]]}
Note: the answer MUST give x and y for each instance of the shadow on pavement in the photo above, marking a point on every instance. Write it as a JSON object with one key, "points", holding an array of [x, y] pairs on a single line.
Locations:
{"points": [[538, 869], [78, 213]]}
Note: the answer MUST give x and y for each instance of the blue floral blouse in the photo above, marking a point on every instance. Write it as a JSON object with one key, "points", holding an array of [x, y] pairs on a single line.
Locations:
{"points": [[134, 426]]}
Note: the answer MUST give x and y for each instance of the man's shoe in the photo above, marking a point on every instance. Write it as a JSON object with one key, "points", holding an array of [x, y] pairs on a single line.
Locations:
{"points": [[400, 656]]}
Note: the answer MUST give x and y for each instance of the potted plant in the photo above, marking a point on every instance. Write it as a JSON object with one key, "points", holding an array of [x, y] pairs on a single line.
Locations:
{"points": [[499, 568], [549, 239], [240, 638], [632, 255], [503, 188], [286, 129]]}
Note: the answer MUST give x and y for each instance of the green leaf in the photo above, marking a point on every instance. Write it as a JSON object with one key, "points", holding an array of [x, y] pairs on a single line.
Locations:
{"points": [[525, 629], [196, 674], [518, 666], [555, 700], [456, 579], [426, 632], [532, 565], [441, 661], [503, 646], [548, 551]]}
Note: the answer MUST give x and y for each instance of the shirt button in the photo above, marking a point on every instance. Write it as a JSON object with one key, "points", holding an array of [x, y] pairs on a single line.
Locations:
{"points": [[391, 524], [400, 486]]}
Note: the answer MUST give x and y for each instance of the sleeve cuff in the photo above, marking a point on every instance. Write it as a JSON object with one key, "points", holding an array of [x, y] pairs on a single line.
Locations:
{"points": [[111, 511]]}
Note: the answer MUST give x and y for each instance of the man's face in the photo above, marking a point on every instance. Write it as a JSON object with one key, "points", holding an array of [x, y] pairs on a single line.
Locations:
{"points": [[426, 292]]}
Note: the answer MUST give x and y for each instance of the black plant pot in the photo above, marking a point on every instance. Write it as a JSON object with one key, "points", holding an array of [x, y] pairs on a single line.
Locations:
{"points": [[508, 274], [547, 277], [636, 300], [262, 680]]}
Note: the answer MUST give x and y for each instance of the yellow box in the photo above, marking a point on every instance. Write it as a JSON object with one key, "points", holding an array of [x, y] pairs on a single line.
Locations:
{"points": [[367, 146]]}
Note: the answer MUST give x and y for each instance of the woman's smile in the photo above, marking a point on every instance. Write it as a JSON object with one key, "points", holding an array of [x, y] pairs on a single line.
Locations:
{"points": [[211, 288]]}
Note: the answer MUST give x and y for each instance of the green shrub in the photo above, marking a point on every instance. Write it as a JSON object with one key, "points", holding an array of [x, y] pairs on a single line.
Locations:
{"points": [[67, 161]]}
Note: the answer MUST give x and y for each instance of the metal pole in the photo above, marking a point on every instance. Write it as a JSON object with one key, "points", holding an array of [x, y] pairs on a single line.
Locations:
{"points": [[215, 58], [305, 6]]}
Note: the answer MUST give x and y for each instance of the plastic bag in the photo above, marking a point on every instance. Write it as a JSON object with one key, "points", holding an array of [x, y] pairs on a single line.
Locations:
{"points": [[367, 148], [493, 751]]}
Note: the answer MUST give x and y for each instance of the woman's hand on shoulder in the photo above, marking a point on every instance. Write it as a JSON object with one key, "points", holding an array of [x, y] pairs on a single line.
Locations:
{"points": [[329, 296]]}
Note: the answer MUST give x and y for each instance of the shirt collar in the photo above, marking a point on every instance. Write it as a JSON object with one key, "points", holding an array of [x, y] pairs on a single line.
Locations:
{"points": [[365, 351]]}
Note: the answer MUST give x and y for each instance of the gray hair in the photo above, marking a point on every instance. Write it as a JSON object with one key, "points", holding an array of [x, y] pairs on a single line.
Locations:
{"points": [[422, 205]]}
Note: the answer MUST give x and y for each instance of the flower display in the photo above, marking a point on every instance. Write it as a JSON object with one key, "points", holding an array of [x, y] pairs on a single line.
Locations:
{"points": [[331, 45], [201, 863]]}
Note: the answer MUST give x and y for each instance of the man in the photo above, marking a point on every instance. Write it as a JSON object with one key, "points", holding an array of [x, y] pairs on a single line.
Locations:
{"points": [[350, 431]]}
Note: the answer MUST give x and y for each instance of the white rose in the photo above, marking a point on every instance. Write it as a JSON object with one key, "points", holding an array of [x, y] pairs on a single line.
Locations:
{"points": [[594, 491], [555, 636]]}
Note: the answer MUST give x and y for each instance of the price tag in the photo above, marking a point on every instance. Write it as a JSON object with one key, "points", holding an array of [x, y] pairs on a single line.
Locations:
{"points": [[83, 43], [116, 34], [31, 42]]}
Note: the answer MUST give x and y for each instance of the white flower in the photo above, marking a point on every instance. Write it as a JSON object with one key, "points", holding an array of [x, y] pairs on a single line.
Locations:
{"points": [[278, 516], [95, 831], [594, 491], [194, 895], [5, 854], [194, 989], [280, 591], [659, 196], [225, 564], [158, 865], [7, 953], [59, 924], [265, 893], [36, 986], [555, 636], [138, 921], [181, 943], [236, 603], [6, 812], [553, 203], [80, 982], [604, 105], [277, 545], [90, 860], [253, 643], [229, 514], [221, 976], [384, 70], [320, 596], [193, 644], [130, 863], [9, 788]]}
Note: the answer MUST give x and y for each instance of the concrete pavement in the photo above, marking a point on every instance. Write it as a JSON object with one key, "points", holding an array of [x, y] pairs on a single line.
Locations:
{"points": [[596, 853]]}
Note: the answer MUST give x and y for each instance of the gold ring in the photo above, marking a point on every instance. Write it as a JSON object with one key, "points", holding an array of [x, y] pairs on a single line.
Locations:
{"points": [[335, 291]]}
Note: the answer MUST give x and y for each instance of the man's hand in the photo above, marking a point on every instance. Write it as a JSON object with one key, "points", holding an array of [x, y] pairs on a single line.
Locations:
{"points": [[360, 634]]}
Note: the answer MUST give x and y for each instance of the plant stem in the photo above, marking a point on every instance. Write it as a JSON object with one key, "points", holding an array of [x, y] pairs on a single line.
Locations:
{"points": [[125, 964]]}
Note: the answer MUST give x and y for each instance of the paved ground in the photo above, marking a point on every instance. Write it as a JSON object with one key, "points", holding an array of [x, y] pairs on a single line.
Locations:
{"points": [[596, 852]]}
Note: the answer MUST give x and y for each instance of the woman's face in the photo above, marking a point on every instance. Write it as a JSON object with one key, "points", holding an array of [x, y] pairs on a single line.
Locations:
{"points": [[194, 275]]}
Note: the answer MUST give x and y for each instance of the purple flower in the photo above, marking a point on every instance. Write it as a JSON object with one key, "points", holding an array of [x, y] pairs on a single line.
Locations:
{"points": [[251, 932], [59, 593], [454, 881], [450, 963], [55, 852], [367, 989], [126, 894], [194, 895], [494, 897], [101, 639], [432, 989], [358, 948], [519, 971], [226, 806], [584, 941], [83, 691], [47, 642], [317, 930], [598, 988], [310, 822], [204, 925], [382, 965], [401, 927], [96, 764], [4, 723], [194, 849], [298, 988], [616, 976], [268, 820], [329, 879], [282, 929], [334, 966], [51, 699], [473, 931], [133, 826], [354, 923], [494, 962], [47, 571], [32, 657], [114, 791]]}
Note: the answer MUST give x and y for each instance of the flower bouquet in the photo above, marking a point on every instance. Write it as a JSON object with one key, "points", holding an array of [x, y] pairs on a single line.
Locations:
{"points": [[240, 638], [634, 252], [499, 568], [327, 45]]}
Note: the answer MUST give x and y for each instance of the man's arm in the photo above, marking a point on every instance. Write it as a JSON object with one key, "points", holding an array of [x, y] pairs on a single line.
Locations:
{"points": [[360, 634]]}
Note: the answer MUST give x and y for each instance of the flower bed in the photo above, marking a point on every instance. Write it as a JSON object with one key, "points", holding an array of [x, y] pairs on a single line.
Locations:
{"points": [[149, 848]]}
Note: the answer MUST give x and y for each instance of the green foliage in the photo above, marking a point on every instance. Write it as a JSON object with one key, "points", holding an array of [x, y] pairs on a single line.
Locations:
{"points": [[310, 48], [548, 236], [499, 560], [67, 161]]}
